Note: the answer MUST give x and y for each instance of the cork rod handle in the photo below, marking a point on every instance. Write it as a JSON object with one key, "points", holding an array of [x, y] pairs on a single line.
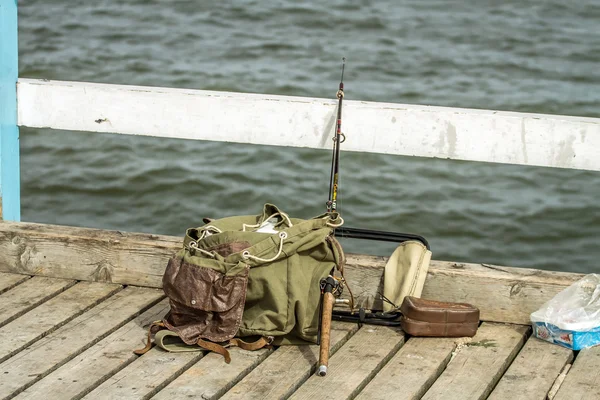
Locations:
{"points": [[328, 301]]}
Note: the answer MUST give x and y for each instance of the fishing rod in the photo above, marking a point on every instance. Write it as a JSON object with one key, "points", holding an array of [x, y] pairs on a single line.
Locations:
{"points": [[330, 285], [355, 233], [335, 160]]}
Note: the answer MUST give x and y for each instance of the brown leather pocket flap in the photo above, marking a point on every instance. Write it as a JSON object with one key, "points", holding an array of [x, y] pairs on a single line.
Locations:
{"points": [[203, 288]]}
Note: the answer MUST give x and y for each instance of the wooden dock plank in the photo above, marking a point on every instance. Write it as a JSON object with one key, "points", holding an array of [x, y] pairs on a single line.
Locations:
{"points": [[583, 380], [51, 315], [9, 281], [477, 367], [92, 367], [533, 371], [29, 295], [85, 254], [510, 295], [210, 377], [140, 259], [145, 376], [354, 365], [412, 371], [49, 353], [287, 368]]}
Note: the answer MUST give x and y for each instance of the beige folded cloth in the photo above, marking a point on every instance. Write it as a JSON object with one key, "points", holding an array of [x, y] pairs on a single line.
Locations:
{"points": [[405, 273]]}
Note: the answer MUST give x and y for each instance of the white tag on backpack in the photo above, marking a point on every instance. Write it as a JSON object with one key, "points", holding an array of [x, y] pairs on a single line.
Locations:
{"points": [[267, 227]]}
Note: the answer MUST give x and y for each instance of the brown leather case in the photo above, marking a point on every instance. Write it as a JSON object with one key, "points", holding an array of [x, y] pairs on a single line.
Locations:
{"points": [[438, 329], [435, 318]]}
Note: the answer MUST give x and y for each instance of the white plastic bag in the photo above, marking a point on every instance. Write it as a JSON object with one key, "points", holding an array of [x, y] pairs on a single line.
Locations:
{"points": [[572, 317]]}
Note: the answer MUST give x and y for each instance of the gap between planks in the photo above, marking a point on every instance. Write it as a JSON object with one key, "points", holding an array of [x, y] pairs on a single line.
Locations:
{"points": [[210, 377], [9, 281], [54, 350], [97, 364], [583, 380], [145, 376], [533, 372], [354, 365], [477, 366], [51, 315], [280, 374], [558, 382], [30, 294], [412, 370]]}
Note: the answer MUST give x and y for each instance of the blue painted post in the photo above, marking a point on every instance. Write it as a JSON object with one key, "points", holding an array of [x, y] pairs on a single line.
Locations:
{"points": [[10, 186]]}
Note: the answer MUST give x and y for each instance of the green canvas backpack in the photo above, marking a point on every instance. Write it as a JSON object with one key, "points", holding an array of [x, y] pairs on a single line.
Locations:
{"points": [[255, 276]]}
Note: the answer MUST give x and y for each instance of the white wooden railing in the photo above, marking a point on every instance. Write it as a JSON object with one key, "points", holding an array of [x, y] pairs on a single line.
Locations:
{"points": [[409, 130], [401, 129]]}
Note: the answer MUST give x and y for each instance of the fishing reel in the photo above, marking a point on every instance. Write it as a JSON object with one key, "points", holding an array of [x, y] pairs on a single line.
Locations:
{"points": [[332, 285]]}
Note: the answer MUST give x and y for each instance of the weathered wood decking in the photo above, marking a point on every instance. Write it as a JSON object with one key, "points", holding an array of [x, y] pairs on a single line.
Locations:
{"points": [[63, 339], [503, 294], [75, 302]]}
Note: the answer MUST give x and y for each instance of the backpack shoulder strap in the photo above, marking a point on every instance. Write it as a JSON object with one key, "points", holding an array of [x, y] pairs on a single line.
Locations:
{"points": [[170, 341]]}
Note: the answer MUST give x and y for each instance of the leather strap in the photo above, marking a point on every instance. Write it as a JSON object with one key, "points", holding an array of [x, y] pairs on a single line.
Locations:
{"points": [[210, 346], [252, 346], [219, 349], [214, 347], [151, 329]]}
